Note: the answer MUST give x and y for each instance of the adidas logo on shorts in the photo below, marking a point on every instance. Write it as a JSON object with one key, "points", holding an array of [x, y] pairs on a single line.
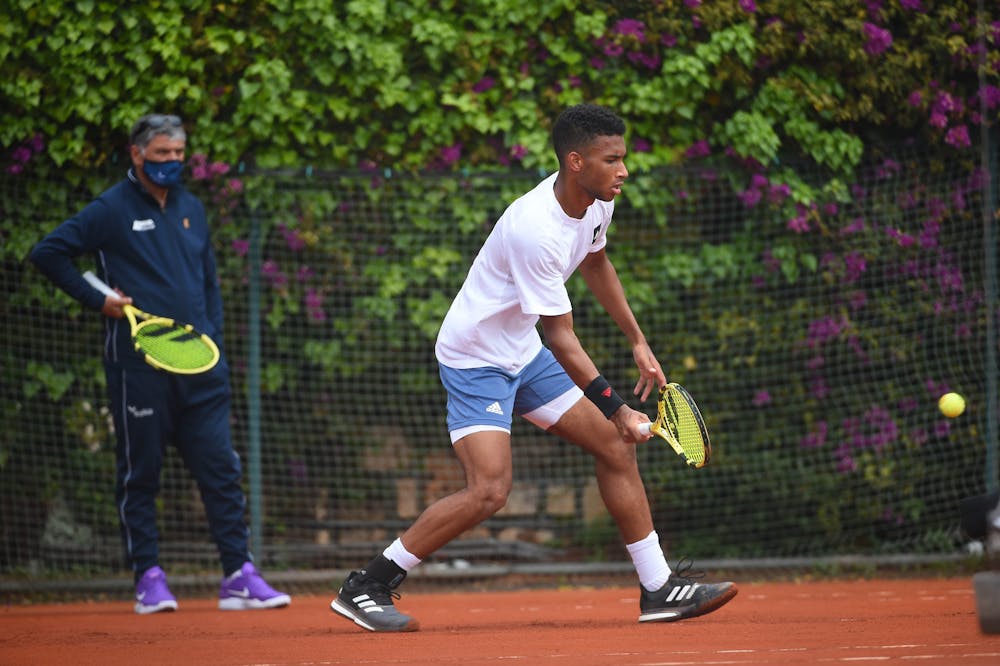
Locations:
{"points": [[495, 409]]}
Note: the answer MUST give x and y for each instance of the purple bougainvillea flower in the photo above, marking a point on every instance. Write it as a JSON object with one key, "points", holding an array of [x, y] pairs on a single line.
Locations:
{"points": [[641, 145], [750, 198], [483, 84], [990, 95], [799, 224], [857, 225], [958, 137], [314, 305], [612, 49], [879, 39], [779, 193], [292, 238], [818, 388], [904, 239], [855, 264], [648, 60], [451, 154], [698, 149], [946, 103], [631, 27], [816, 438]]}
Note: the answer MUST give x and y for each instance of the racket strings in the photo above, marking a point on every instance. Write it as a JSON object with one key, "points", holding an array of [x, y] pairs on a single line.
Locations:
{"points": [[173, 345], [685, 425]]}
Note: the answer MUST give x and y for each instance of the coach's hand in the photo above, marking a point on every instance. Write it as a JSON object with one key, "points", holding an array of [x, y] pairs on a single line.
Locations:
{"points": [[113, 305]]}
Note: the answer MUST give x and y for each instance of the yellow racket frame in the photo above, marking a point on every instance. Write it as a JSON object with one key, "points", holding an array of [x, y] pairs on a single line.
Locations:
{"points": [[134, 315], [679, 422]]}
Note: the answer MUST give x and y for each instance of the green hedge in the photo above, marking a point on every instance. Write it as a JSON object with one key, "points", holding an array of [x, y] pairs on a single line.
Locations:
{"points": [[768, 239]]}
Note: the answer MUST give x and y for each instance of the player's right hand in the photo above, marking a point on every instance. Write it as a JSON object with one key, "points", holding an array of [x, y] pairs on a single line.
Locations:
{"points": [[628, 422]]}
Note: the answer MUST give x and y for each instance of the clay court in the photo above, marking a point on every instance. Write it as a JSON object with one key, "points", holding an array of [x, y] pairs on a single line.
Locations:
{"points": [[928, 621]]}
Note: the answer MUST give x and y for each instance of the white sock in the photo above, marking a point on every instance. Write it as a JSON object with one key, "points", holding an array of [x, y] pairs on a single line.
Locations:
{"points": [[650, 564], [403, 558]]}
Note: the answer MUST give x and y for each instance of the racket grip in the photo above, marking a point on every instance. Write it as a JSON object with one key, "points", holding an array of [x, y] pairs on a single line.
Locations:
{"points": [[644, 428], [97, 284]]}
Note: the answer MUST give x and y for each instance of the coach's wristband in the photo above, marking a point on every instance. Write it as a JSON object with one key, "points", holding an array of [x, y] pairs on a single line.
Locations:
{"points": [[601, 394]]}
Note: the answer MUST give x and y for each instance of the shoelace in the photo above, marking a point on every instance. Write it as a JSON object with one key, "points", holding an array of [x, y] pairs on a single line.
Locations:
{"points": [[381, 593], [684, 570]]}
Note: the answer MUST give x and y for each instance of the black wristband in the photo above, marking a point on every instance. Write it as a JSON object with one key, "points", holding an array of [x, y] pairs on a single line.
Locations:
{"points": [[601, 394]]}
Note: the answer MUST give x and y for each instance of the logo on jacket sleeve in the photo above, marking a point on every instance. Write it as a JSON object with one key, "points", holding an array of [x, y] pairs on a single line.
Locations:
{"points": [[143, 225]]}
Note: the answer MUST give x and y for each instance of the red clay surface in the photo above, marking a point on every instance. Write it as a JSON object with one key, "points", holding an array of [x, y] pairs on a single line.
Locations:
{"points": [[926, 622]]}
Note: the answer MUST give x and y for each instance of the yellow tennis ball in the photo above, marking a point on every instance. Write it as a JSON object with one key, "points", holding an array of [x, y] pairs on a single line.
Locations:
{"points": [[951, 405]]}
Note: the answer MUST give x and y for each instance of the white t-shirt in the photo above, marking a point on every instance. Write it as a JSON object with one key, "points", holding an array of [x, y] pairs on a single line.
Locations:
{"points": [[519, 275]]}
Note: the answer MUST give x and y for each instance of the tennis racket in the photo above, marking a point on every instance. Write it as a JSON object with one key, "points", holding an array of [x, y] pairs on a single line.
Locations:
{"points": [[679, 422], [164, 343]]}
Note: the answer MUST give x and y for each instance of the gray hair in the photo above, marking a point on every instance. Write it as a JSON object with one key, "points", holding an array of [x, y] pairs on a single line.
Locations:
{"points": [[155, 124]]}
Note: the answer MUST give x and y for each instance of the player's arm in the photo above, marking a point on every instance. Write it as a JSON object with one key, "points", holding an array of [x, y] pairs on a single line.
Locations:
{"points": [[565, 346], [54, 255], [602, 280]]}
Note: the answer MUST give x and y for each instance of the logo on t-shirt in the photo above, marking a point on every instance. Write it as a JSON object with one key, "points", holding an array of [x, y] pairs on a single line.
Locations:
{"points": [[597, 230], [143, 225]]}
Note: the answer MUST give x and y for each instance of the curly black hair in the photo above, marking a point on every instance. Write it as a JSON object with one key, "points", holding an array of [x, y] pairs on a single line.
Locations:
{"points": [[579, 125]]}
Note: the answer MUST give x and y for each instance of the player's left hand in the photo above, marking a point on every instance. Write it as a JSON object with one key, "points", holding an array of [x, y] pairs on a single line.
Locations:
{"points": [[650, 374]]}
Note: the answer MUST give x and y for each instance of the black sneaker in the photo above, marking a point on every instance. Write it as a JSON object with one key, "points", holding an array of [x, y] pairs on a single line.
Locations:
{"points": [[368, 601], [681, 597]]}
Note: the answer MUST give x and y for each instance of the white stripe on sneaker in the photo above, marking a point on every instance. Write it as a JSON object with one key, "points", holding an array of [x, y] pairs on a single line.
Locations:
{"points": [[367, 604], [680, 594]]}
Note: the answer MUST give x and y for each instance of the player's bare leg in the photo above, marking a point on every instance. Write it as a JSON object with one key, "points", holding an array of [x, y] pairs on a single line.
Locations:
{"points": [[616, 466], [486, 458], [366, 597]]}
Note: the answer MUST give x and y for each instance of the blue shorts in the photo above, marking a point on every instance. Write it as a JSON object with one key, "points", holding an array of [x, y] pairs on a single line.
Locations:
{"points": [[486, 398]]}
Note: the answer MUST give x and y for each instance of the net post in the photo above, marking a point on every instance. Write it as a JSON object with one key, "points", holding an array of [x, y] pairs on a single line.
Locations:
{"points": [[991, 217], [253, 387]]}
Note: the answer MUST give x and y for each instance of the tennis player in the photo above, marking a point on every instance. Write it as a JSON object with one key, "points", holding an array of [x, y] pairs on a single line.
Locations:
{"points": [[494, 366], [150, 238]]}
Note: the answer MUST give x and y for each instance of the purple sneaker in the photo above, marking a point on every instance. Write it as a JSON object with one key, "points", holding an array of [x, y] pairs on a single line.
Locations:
{"points": [[246, 589], [152, 594]]}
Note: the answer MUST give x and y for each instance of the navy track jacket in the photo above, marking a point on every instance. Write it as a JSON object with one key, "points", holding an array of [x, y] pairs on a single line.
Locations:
{"points": [[161, 258]]}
